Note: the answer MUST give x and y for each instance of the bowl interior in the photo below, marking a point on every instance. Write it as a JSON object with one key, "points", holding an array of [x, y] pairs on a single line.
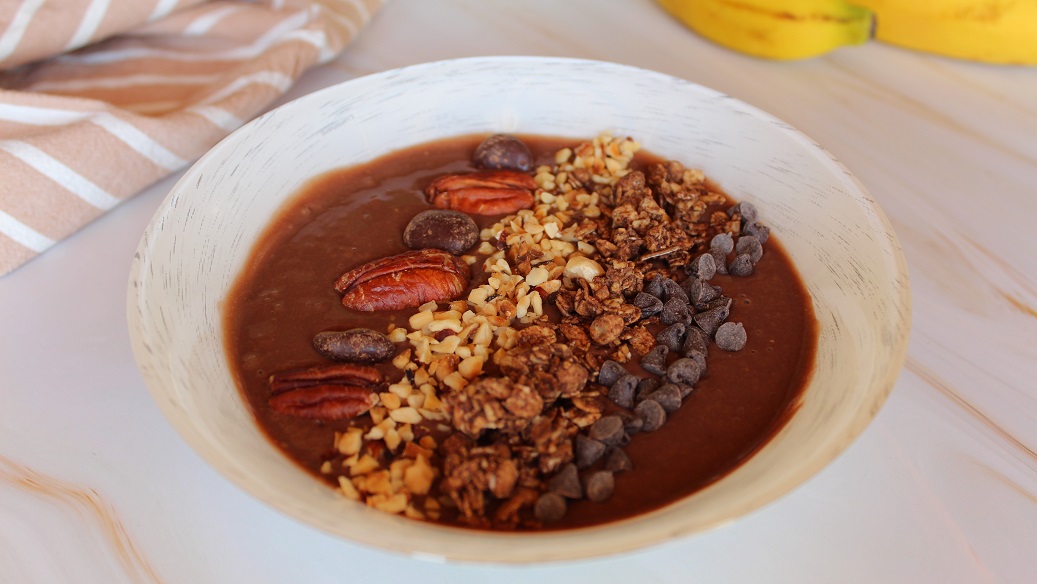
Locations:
{"points": [[840, 241]]}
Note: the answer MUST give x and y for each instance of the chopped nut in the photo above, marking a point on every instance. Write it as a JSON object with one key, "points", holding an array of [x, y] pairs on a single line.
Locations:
{"points": [[406, 415], [582, 267]]}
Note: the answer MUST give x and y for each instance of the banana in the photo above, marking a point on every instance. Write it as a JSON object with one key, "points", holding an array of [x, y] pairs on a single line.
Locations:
{"points": [[992, 31], [776, 29]]}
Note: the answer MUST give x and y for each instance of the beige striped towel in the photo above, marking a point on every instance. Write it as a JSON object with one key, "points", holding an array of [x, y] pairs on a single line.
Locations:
{"points": [[100, 98]]}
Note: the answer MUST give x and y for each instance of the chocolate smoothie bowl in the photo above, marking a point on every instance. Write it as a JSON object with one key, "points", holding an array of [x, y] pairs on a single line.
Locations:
{"points": [[563, 364], [447, 330]]}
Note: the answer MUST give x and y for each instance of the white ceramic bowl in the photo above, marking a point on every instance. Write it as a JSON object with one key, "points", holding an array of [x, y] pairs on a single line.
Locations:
{"points": [[198, 241]]}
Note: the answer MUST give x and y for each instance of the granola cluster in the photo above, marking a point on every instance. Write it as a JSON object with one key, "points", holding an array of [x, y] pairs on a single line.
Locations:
{"points": [[508, 395]]}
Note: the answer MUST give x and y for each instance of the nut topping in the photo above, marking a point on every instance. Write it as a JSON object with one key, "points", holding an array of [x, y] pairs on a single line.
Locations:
{"points": [[402, 281], [491, 192], [326, 392]]}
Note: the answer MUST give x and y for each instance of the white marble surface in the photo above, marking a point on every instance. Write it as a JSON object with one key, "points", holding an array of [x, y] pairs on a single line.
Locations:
{"points": [[95, 486]]}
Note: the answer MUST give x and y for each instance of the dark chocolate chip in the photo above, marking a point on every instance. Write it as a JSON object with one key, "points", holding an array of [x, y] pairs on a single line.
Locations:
{"points": [[652, 415], [599, 485], [634, 425], [685, 389], [668, 396], [673, 290], [705, 267], [588, 450], [566, 482], [645, 387], [549, 508], [649, 305], [722, 301], [674, 310], [722, 242], [684, 370], [746, 210], [359, 345], [608, 430], [741, 266], [610, 372], [720, 260], [695, 340], [655, 286], [451, 231], [654, 361], [698, 357], [672, 336], [750, 245], [710, 319], [760, 232], [622, 391], [731, 336], [618, 461], [707, 293], [503, 151], [693, 287]]}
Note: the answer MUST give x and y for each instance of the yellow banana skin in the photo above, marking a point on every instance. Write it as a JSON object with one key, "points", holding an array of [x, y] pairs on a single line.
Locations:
{"points": [[992, 31], [775, 29]]}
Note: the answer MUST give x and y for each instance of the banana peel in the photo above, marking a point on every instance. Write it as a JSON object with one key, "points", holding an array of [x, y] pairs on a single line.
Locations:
{"points": [[991, 31]]}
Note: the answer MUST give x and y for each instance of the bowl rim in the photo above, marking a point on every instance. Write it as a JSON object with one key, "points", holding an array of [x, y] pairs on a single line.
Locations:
{"points": [[511, 541]]}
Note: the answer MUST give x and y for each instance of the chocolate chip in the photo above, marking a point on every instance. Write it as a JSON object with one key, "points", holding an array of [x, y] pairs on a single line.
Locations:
{"points": [[708, 292], [503, 151], [722, 242], [698, 357], [450, 231], [710, 319], [674, 310], [673, 290], [652, 414], [685, 389], [359, 345], [760, 232], [645, 387], [695, 340], [672, 336], [693, 287], [622, 391], [719, 260], [566, 482], [618, 461], [722, 301], [610, 372], [608, 430], [649, 305], [654, 361], [668, 396], [634, 425], [746, 210], [655, 286], [684, 370], [750, 245], [599, 485], [705, 267], [549, 508], [731, 336], [741, 266], [588, 450]]}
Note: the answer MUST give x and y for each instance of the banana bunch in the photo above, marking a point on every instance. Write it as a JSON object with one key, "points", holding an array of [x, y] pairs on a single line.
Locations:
{"points": [[993, 31]]}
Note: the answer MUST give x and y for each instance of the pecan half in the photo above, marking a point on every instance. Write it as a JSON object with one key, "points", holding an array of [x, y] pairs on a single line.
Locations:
{"points": [[490, 192], [405, 280], [325, 392]]}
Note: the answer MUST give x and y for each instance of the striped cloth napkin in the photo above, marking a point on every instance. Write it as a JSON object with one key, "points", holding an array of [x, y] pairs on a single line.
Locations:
{"points": [[100, 98]]}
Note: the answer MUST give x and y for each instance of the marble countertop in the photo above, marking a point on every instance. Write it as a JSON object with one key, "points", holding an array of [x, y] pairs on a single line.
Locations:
{"points": [[96, 486]]}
